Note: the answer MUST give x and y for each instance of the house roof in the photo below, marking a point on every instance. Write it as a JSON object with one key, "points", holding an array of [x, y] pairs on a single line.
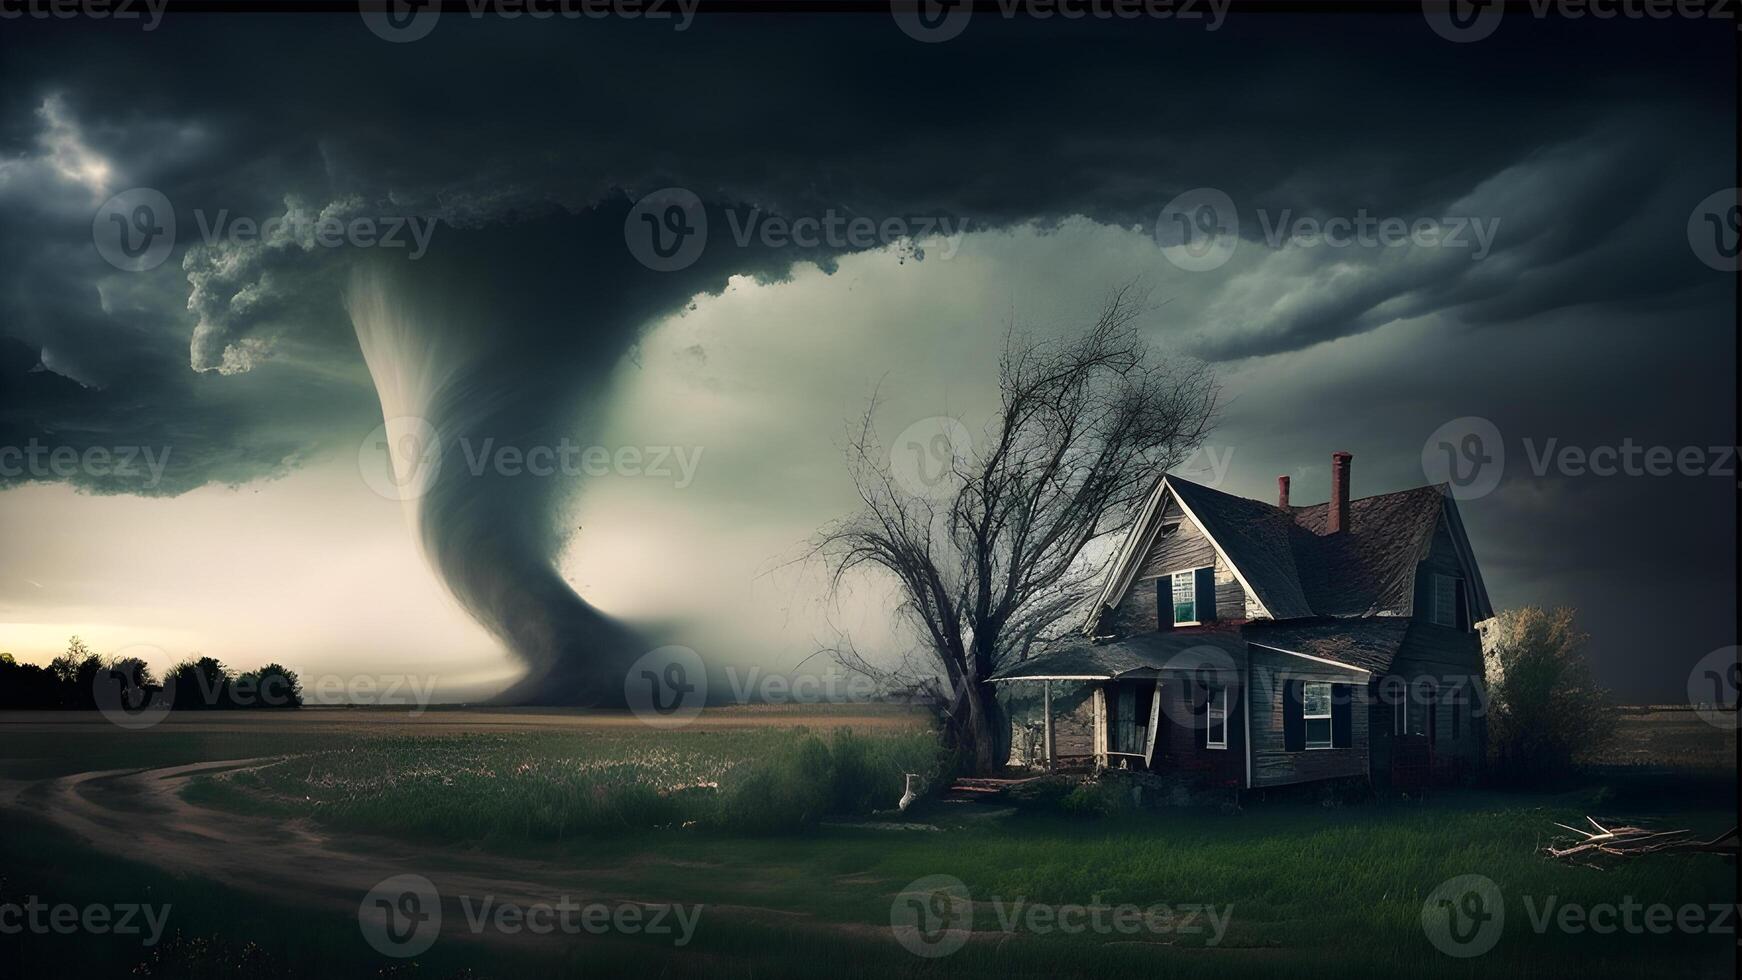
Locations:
{"points": [[1294, 569], [1140, 653], [1256, 537], [1370, 567], [1370, 644], [1365, 644]]}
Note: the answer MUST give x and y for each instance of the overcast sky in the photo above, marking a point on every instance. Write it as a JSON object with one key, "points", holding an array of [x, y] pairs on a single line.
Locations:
{"points": [[1559, 290]]}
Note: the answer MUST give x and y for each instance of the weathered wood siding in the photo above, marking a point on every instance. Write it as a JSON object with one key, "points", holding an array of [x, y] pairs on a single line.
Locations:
{"points": [[1179, 744], [1272, 763], [1442, 559], [1073, 719], [1450, 659], [1185, 548]]}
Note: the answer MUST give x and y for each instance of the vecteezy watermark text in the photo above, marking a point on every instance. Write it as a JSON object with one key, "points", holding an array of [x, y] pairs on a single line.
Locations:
{"points": [[935, 21], [667, 230], [570, 917], [120, 919], [402, 458], [136, 230], [567, 458], [1466, 916], [149, 11], [1468, 21], [402, 916], [1469, 455], [934, 917], [320, 230], [1365, 230], [1629, 459], [35, 461], [403, 21]]}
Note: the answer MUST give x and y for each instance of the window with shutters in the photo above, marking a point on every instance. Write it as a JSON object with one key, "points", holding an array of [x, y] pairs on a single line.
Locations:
{"points": [[1316, 712], [1185, 598], [1216, 719], [1445, 604]]}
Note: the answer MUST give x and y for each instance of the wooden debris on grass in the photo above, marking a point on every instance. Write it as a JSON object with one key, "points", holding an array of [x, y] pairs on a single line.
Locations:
{"points": [[1628, 841]]}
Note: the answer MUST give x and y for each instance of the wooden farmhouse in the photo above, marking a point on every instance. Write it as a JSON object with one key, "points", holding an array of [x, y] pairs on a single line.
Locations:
{"points": [[1238, 643]]}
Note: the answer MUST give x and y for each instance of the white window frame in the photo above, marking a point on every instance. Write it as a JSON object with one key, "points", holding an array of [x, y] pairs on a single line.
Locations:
{"points": [[1222, 693], [1330, 723], [1191, 577], [1446, 617]]}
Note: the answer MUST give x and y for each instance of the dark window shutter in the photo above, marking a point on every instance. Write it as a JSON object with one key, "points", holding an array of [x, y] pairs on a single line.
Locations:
{"points": [[1201, 713], [1462, 617], [1342, 716], [1206, 593], [1164, 602], [1293, 720]]}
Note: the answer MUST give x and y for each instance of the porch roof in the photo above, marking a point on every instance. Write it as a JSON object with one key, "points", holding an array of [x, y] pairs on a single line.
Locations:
{"points": [[1142, 654]]}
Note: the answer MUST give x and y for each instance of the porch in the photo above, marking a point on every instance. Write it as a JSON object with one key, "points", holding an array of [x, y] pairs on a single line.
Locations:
{"points": [[1165, 703]]}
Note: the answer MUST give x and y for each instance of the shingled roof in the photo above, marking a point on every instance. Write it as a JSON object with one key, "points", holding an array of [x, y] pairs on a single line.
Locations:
{"points": [[1369, 568], [1370, 643], [1259, 534], [1141, 654], [1297, 571]]}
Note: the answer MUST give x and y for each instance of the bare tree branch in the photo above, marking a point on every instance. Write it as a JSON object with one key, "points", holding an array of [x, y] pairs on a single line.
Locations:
{"points": [[1085, 426]]}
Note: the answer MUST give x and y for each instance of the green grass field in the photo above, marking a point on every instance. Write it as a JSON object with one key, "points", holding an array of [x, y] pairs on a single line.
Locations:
{"points": [[724, 814]]}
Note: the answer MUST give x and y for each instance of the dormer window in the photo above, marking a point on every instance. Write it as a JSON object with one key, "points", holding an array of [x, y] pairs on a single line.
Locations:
{"points": [[1447, 591], [1186, 597]]}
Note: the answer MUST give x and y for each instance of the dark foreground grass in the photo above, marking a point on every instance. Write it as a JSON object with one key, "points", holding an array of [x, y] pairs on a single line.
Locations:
{"points": [[1307, 890]]}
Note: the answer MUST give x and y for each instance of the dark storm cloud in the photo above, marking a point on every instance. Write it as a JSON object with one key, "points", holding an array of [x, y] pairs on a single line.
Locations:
{"points": [[1589, 143], [1007, 124]]}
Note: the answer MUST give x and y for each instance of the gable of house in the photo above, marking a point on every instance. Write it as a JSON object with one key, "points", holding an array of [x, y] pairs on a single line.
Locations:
{"points": [[1176, 544], [1276, 564]]}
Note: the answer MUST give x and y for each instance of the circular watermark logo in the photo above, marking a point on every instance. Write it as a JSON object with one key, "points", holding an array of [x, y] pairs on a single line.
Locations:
{"points": [[1209, 670], [1464, 916], [933, 916], [667, 687], [1715, 230], [927, 455], [123, 693], [400, 458], [1467, 454], [134, 231], [401, 916], [667, 229], [1463, 21], [1198, 230], [1713, 686], [400, 21], [931, 21]]}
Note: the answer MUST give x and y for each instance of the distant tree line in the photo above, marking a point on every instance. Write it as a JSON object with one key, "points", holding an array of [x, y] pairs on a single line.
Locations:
{"points": [[75, 679]]}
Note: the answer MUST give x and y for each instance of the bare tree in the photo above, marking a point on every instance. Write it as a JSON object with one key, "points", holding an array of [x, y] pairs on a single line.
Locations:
{"points": [[996, 562]]}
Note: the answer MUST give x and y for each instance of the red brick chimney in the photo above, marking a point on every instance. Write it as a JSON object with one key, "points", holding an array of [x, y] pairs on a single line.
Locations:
{"points": [[1338, 519], [1282, 492]]}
